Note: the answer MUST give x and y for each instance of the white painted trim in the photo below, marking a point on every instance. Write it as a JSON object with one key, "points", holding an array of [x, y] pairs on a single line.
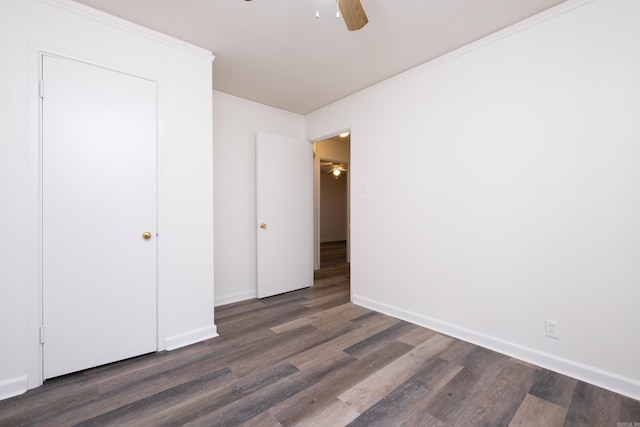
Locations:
{"points": [[586, 373], [316, 209], [191, 337], [35, 372], [228, 299], [13, 387], [139, 30], [330, 135]]}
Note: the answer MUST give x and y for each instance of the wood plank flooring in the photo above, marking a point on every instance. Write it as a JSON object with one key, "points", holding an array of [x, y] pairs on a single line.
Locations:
{"points": [[311, 358]]}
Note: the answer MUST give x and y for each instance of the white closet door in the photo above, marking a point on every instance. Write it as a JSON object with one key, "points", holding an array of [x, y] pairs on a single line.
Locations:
{"points": [[284, 189], [99, 198]]}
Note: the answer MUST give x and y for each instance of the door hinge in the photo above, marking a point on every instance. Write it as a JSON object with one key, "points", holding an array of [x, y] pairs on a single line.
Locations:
{"points": [[41, 334], [41, 88]]}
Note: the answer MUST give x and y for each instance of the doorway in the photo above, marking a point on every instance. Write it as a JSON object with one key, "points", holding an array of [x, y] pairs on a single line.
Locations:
{"points": [[332, 197]]}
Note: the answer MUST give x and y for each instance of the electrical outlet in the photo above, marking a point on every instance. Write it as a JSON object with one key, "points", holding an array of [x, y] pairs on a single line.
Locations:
{"points": [[551, 329]]}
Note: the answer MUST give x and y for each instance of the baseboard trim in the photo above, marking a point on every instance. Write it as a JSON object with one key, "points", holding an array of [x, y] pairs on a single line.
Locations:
{"points": [[228, 299], [13, 387], [590, 374], [191, 337]]}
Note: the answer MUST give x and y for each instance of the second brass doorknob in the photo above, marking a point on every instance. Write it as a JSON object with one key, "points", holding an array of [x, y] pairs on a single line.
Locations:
{"points": [[146, 235], [263, 225]]}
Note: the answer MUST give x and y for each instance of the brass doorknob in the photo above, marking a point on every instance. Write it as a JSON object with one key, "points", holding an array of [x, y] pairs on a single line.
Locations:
{"points": [[146, 235], [263, 225]]}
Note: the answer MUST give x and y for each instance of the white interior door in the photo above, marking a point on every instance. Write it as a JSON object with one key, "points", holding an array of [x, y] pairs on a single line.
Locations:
{"points": [[99, 197], [284, 188]]}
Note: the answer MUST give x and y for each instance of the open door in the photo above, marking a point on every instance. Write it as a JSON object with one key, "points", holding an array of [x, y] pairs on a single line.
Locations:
{"points": [[284, 213]]}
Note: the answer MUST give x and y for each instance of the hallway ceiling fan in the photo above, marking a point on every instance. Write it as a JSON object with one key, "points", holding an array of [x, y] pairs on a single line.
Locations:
{"points": [[352, 12], [334, 168]]}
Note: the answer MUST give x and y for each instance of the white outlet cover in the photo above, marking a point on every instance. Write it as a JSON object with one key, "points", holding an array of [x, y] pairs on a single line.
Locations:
{"points": [[551, 329]]}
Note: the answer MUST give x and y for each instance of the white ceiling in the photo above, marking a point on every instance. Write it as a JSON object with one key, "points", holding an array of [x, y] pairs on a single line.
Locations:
{"points": [[277, 53]]}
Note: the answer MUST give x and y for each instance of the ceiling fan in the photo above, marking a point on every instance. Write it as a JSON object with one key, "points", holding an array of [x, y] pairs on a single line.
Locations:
{"points": [[334, 168], [352, 12]]}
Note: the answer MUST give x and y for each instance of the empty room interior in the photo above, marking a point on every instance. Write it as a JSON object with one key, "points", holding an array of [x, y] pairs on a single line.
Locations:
{"points": [[320, 212]]}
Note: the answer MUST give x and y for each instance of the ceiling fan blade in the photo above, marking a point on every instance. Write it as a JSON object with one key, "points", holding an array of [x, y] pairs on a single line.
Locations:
{"points": [[353, 14]]}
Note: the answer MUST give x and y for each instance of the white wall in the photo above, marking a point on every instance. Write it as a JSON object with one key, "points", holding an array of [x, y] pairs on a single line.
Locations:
{"points": [[185, 201], [516, 196], [236, 122]]}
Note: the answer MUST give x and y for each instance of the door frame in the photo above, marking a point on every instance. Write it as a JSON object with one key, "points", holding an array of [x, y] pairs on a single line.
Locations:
{"points": [[316, 197]]}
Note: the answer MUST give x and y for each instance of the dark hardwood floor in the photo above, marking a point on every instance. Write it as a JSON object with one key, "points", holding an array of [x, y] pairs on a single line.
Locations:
{"points": [[311, 358]]}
